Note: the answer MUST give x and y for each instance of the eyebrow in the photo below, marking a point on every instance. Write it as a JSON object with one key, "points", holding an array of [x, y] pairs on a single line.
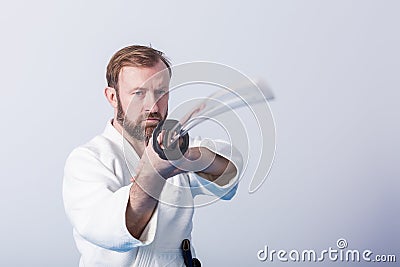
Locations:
{"points": [[147, 89], [137, 88]]}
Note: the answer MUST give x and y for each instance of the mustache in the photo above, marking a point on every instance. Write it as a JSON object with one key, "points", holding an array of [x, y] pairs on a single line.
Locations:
{"points": [[153, 115]]}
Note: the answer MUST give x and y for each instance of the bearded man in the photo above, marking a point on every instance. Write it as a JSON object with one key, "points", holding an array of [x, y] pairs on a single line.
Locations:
{"points": [[128, 206]]}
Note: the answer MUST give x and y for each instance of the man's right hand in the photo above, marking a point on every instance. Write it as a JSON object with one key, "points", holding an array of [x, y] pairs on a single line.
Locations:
{"points": [[147, 184], [151, 164]]}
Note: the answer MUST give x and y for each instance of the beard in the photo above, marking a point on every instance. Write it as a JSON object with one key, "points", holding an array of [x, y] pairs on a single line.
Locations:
{"points": [[135, 129]]}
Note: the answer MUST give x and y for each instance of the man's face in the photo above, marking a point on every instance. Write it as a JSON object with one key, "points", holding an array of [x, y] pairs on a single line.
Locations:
{"points": [[142, 99]]}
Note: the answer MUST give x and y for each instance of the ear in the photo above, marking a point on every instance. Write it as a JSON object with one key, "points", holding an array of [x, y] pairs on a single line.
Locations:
{"points": [[111, 96]]}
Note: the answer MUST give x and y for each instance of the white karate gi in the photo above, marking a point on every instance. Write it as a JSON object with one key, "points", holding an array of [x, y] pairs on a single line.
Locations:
{"points": [[96, 192]]}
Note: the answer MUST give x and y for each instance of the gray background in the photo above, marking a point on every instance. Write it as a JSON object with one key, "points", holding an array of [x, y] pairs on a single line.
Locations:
{"points": [[334, 67]]}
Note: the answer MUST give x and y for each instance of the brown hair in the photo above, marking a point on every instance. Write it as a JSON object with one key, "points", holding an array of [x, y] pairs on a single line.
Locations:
{"points": [[134, 56]]}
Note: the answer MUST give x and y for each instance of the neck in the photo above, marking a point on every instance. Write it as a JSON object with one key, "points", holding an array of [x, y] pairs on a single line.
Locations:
{"points": [[138, 146]]}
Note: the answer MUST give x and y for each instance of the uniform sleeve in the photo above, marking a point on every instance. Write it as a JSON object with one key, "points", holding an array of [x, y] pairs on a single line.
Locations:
{"points": [[95, 203], [201, 186]]}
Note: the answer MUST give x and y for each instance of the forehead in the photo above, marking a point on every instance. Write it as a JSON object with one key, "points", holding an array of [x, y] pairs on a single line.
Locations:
{"points": [[133, 77]]}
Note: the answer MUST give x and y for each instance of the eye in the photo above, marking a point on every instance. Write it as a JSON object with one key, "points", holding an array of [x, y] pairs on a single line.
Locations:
{"points": [[138, 93], [160, 92]]}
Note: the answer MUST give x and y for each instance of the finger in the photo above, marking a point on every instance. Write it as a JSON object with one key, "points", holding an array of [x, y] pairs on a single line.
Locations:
{"points": [[180, 140], [160, 138]]}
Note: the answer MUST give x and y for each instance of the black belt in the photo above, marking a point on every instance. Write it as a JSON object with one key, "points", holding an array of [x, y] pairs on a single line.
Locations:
{"points": [[187, 255]]}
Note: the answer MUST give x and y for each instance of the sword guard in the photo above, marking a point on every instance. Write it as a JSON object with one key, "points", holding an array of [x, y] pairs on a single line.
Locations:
{"points": [[174, 151]]}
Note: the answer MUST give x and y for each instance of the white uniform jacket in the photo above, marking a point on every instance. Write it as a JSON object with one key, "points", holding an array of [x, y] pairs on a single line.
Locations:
{"points": [[96, 191]]}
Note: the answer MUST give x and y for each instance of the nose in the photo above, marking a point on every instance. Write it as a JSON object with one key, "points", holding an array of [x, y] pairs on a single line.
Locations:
{"points": [[151, 103]]}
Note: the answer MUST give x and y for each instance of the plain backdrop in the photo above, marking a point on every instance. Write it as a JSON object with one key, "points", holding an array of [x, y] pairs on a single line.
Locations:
{"points": [[334, 68]]}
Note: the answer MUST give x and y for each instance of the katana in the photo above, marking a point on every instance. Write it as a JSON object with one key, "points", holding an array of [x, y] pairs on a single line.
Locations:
{"points": [[175, 139]]}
